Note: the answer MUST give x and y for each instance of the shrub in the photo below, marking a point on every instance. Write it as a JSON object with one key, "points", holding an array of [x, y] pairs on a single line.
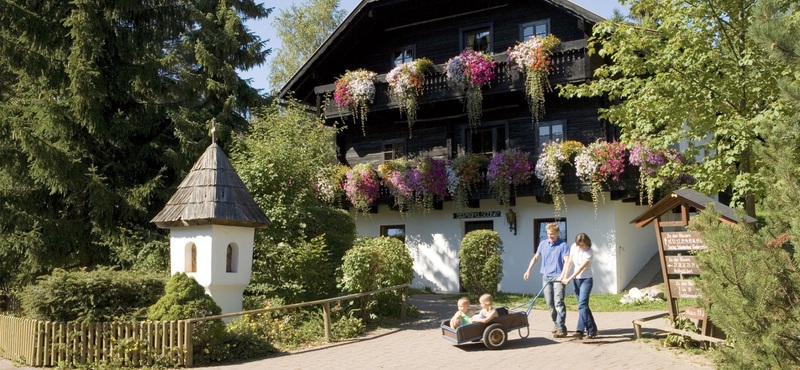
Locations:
{"points": [[98, 295], [481, 262], [186, 298], [375, 263]]}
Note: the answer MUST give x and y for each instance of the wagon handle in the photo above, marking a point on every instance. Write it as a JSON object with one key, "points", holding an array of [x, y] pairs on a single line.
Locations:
{"points": [[528, 311]]}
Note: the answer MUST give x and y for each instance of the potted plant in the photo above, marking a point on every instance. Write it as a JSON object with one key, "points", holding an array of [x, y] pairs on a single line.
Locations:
{"points": [[471, 70], [548, 169], [405, 84], [533, 58], [465, 177], [362, 186], [395, 175], [356, 90], [507, 169]]}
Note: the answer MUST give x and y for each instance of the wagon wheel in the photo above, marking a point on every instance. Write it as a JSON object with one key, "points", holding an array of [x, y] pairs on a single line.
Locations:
{"points": [[494, 337]]}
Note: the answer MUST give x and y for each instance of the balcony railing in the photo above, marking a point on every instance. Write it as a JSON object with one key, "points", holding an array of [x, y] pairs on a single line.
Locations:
{"points": [[570, 62]]}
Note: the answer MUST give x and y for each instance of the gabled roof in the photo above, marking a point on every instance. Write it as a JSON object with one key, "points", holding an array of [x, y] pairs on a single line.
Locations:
{"points": [[360, 12], [689, 197], [212, 193]]}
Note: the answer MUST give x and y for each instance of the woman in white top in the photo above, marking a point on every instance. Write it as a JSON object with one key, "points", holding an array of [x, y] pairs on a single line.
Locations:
{"points": [[580, 256]]}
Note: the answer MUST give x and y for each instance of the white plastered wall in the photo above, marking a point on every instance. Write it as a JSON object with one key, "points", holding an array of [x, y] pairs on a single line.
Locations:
{"points": [[635, 246], [434, 238], [212, 242]]}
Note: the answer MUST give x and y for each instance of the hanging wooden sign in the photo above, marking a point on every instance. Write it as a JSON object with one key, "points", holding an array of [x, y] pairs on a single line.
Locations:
{"points": [[684, 265], [696, 313], [683, 289], [681, 241]]}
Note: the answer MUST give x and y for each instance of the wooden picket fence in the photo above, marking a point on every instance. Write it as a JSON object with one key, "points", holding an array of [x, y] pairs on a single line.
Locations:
{"points": [[47, 343], [9, 303]]}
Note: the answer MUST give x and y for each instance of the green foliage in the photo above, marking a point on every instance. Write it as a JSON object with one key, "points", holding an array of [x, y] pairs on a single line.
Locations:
{"points": [[688, 71], [481, 265], [239, 342], [97, 295], [105, 106], [678, 340], [185, 298], [375, 263], [301, 30], [278, 159]]}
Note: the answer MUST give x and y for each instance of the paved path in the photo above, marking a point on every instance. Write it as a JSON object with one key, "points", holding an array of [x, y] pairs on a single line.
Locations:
{"points": [[419, 345]]}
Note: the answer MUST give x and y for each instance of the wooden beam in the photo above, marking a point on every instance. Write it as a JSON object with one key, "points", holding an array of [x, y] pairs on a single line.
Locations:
{"points": [[662, 258], [547, 199], [447, 17], [474, 203], [586, 197]]}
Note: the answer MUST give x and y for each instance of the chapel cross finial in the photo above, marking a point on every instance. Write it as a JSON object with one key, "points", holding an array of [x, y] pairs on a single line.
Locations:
{"points": [[213, 131]]}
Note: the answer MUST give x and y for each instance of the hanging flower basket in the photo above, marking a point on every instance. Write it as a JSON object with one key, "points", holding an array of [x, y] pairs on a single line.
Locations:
{"points": [[466, 173], [429, 181], [533, 58], [598, 164], [395, 177], [507, 169], [649, 161], [405, 85], [470, 70], [330, 183], [356, 90], [548, 169], [362, 186]]}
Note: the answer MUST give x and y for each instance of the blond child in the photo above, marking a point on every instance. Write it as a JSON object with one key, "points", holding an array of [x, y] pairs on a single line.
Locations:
{"points": [[487, 310], [463, 315]]}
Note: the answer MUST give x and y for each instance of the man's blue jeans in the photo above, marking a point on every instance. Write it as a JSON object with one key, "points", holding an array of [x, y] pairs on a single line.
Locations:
{"points": [[554, 295], [583, 288]]}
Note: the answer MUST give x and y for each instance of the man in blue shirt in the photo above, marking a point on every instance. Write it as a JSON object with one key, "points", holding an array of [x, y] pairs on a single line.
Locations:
{"points": [[553, 252]]}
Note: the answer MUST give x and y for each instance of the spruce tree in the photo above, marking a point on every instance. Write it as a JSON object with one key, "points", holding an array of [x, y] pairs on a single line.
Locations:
{"points": [[105, 105], [752, 277]]}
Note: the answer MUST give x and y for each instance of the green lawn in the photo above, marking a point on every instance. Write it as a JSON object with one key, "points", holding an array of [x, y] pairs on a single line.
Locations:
{"points": [[597, 302]]}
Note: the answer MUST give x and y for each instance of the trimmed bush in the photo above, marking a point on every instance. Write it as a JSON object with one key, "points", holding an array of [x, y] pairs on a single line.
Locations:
{"points": [[97, 295], [185, 299], [481, 262], [375, 263]]}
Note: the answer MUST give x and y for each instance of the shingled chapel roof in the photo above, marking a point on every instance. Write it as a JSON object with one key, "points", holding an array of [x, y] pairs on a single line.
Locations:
{"points": [[212, 193]]}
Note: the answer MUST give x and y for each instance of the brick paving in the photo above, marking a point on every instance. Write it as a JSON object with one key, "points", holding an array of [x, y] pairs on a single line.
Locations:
{"points": [[419, 345]]}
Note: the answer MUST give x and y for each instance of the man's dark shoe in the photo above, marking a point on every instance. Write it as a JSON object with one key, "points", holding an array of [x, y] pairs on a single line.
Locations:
{"points": [[578, 335], [559, 334]]}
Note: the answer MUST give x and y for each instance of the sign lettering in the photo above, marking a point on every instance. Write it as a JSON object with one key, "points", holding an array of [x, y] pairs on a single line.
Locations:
{"points": [[484, 214], [683, 289], [682, 241], [696, 313], [685, 265]]}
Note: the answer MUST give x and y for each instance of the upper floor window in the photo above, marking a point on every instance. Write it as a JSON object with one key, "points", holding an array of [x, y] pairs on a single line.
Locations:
{"points": [[549, 132], [403, 55], [538, 28], [488, 140], [393, 149], [478, 39]]}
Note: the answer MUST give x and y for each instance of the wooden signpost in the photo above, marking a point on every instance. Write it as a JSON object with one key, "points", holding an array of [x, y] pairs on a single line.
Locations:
{"points": [[676, 249]]}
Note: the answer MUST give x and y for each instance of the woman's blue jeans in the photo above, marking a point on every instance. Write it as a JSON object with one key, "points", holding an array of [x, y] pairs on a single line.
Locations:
{"points": [[583, 288]]}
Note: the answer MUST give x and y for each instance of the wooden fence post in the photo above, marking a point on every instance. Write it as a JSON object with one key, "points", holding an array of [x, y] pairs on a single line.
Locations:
{"points": [[326, 309], [188, 333]]}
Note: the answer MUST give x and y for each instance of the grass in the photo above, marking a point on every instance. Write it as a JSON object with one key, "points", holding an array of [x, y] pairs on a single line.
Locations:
{"points": [[597, 302]]}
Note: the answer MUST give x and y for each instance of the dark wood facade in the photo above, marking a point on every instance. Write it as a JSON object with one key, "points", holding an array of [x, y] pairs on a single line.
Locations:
{"points": [[433, 29]]}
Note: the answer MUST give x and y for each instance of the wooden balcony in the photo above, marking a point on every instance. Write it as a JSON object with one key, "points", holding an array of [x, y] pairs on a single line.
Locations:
{"points": [[571, 64]]}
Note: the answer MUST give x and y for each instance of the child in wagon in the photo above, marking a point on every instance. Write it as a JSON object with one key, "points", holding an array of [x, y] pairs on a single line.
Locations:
{"points": [[464, 315]]}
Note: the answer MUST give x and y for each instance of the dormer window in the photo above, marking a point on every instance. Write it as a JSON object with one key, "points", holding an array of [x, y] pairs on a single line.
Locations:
{"points": [[403, 55], [488, 140], [478, 38], [538, 28]]}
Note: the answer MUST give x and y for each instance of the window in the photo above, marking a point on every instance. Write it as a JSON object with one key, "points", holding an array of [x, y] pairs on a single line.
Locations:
{"points": [[394, 231], [538, 28], [190, 258], [549, 132], [393, 150], [403, 55], [478, 225], [540, 231], [231, 258], [488, 140], [478, 39]]}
